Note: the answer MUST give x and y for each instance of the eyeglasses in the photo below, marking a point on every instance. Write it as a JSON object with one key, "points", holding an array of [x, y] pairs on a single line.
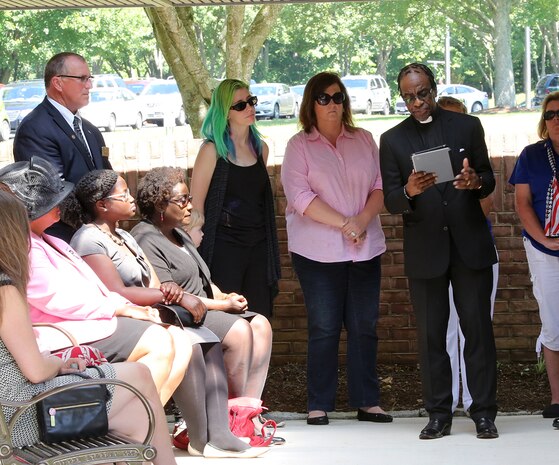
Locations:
{"points": [[421, 95], [124, 197], [240, 106], [324, 98], [182, 201], [84, 79], [550, 114]]}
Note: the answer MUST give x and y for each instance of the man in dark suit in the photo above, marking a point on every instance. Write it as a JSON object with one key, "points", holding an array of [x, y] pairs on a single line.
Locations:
{"points": [[54, 130], [446, 240]]}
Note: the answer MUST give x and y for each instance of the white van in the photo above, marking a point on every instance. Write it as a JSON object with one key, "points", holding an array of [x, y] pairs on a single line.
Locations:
{"points": [[369, 93]]}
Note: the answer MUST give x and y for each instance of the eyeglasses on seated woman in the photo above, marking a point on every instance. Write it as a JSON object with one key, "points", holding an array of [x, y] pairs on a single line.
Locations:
{"points": [[123, 266]]}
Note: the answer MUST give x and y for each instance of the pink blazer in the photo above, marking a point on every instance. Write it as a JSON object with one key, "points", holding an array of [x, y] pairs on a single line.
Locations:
{"points": [[65, 291]]}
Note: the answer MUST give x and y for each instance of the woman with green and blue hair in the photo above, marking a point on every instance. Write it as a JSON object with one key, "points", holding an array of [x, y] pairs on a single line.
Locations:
{"points": [[231, 187]]}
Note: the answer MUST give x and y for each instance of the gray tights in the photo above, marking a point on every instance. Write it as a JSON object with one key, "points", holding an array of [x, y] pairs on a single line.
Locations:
{"points": [[202, 399]]}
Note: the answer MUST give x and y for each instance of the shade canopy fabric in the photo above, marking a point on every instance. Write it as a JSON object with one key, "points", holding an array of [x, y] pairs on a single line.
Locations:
{"points": [[51, 4]]}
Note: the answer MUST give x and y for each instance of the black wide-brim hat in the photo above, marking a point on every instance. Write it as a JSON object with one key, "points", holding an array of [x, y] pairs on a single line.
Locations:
{"points": [[37, 184]]}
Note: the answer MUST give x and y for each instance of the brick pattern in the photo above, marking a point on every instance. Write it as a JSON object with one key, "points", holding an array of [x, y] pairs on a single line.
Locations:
{"points": [[516, 321]]}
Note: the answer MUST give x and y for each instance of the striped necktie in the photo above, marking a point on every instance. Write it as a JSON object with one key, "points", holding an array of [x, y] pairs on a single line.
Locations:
{"points": [[81, 137]]}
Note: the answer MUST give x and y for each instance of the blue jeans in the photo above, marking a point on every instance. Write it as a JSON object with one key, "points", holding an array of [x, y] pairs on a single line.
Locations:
{"points": [[336, 293]]}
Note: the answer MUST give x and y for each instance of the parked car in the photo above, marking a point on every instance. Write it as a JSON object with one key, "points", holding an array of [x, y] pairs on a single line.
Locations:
{"points": [[547, 84], [368, 93], [137, 85], [400, 107], [107, 80], [4, 123], [474, 99], [161, 97], [110, 107], [274, 100], [20, 97], [298, 91]]}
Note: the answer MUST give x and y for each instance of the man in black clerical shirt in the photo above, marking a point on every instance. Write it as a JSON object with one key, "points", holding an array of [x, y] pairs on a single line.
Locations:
{"points": [[446, 241]]}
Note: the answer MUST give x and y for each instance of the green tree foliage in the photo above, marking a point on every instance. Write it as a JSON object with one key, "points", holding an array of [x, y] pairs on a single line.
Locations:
{"points": [[542, 17], [203, 43], [27, 39], [350, 38], [112, 40], [116, 40]]}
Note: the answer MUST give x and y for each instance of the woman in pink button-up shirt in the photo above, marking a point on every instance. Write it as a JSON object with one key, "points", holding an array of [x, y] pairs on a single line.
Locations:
{"points": [[332, 182]]}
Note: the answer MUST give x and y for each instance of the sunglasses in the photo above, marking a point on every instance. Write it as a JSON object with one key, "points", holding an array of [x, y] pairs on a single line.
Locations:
{"points": [[550, 114], [124, 197], [240, 106], [324, 98], [421, 95], [182, 201]]}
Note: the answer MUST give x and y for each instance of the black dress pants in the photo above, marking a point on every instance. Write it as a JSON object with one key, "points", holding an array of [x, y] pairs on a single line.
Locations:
{"points": [[472, 294]]}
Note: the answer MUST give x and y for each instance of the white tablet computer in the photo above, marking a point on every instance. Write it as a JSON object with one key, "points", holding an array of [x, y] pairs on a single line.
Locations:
{"points": [[435, 160]]}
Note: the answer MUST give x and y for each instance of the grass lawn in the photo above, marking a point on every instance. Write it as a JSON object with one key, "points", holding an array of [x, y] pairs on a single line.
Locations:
{"points": [[494, 121]]}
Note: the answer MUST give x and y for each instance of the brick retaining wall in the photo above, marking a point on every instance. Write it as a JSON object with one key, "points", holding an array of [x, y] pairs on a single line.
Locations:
{"points": [[516, 321]]}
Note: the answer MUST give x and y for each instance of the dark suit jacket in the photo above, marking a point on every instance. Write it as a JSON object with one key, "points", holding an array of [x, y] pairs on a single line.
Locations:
{"points": [[45, 133], [441, 212]]}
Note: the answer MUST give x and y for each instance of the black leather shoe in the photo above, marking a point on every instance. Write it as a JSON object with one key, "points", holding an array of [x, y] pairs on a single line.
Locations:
{"points": [[436, 428], [374, 417], [556, 423], [551, 411], [486, 428], [322, 420]]}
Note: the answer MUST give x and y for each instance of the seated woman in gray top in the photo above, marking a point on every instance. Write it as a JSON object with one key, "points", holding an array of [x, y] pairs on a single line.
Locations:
{"points": [[246, 336], [99, 201], [165, 205]]}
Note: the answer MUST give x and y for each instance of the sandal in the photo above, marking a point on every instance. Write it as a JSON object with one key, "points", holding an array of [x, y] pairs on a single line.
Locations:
{"points": [[180, 438]]}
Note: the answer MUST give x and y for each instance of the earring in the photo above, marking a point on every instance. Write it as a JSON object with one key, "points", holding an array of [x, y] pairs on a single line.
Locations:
{"points": [[161, 216]]}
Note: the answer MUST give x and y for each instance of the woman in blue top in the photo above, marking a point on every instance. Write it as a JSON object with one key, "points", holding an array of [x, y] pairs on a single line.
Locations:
{"points": [[537, 204]]}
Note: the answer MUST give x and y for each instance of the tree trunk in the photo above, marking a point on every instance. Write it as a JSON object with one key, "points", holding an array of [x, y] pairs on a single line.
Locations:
{"points": [[256, 35], [504, 78], [382, 60], [233, 40], [551, 41], [176, 36], [265, 59]]}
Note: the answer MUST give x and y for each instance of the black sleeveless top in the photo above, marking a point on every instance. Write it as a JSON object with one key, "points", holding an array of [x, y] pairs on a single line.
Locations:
{"points": [[242, 219]]}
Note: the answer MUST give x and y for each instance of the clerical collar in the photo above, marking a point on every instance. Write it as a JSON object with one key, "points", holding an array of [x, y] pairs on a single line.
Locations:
{"points": [[433, 116]]}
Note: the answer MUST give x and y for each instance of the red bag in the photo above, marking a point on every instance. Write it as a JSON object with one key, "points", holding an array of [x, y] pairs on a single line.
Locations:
{"points": [[241, 412], [91, 355]]}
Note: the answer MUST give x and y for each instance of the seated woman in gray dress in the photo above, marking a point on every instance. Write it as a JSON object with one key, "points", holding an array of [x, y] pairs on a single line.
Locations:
{"points": [[26, 372], [115, 256], [98, 202]]}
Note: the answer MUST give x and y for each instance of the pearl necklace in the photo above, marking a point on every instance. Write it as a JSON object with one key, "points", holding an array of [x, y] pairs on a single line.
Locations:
{"points": [[117, 240]]}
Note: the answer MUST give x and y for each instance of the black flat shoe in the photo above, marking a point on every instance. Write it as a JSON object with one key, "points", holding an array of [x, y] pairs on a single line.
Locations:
{"points": [[322, 420], [551, 411], [277, 441], [436, 428], [556, 423], [486, 429], [374, 417]]}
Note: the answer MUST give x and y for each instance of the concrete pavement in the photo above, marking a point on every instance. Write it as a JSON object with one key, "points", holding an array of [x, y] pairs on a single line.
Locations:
{"points": [[524, 440]]}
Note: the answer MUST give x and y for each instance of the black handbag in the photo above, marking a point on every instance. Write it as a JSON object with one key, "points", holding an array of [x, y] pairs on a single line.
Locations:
{"points": [[178, 316], [80, 412]]}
